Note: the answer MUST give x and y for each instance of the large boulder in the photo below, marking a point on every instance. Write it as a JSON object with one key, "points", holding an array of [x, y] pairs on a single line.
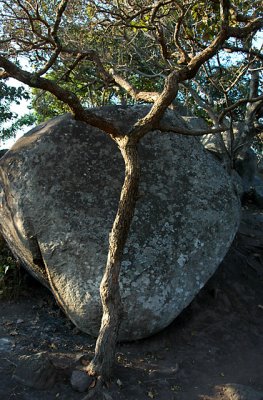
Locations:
{"points": [[59, 192]]}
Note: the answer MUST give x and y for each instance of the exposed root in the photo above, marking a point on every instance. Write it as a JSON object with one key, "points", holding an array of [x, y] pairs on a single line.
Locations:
{"points": [[97, 391]]}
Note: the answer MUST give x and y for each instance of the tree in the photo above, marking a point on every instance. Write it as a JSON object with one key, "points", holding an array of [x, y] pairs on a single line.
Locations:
{"points": [[12, 95], [224, 100], [133, 49]]}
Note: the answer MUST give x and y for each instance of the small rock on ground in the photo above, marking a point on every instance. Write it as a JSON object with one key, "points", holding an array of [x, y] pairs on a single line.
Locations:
{"points": [[80, 381]]}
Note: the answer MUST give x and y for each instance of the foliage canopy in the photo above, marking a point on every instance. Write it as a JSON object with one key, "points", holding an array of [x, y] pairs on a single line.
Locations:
{"points": [[10, 123], [109, 52]]}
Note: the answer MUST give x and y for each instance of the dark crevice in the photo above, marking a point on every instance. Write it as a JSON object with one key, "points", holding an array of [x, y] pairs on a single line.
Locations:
{"points": [[36, 252]]}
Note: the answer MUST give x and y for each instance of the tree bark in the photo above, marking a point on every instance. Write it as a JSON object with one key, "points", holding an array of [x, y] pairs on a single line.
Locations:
{"points": [[101, 365]]}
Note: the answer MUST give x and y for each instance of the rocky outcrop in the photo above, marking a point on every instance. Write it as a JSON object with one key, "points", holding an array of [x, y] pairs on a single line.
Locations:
{"points": [[249, 170], [60, 186], [246, 166]]}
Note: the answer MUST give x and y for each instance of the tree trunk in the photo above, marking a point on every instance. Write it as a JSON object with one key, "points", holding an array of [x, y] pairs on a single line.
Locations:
{"points": [[103, 360]]}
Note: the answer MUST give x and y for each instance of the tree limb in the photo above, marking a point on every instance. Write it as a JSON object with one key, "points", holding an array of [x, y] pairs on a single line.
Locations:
{"points": [[238, 77], [166, 127], [31, 21], [172, 81], [4, 75], [184, 58], [161, 39], [90, 55], [61, 8], [237, 104], [137, 95], [233, 49], [201, 102], [61, 94], [50, 62], [242, 32]]}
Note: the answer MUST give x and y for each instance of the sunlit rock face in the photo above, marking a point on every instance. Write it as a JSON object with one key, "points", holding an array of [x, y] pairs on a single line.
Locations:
{"points": [[59, 191]]}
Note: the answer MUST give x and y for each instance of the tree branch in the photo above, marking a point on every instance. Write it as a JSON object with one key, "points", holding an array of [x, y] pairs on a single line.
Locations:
{"points": [[61, 8], [184, 58], [238, 77], [90, 55], [210, 51], [254, 83], [233, 49], [61, 94], [201, 102], [156, 6], [172, 81], [237, 104], [137, 95], [242, 32], [4, 75], [161, 39], [50, 62], [188, 72], [166, 127], [31, 21], [239, 17]]}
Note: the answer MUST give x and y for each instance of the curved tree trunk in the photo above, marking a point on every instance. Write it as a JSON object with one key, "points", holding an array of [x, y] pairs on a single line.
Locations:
{"points": [[101, 365]]}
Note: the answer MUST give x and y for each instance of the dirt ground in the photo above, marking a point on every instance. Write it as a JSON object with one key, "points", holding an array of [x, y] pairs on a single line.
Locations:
{"points": [[212, 351]]}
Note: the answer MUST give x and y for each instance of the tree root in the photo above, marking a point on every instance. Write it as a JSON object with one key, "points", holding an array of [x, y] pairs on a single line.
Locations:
{"points": [[98, 391]]}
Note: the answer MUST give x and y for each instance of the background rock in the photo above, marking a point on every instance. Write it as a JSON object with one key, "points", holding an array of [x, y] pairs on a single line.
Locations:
{"points": [[248, 167], [60, 187], [35, 371]]}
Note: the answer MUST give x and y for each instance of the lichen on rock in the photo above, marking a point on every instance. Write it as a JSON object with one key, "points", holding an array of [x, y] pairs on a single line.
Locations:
{"points": [[60, 187]]}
